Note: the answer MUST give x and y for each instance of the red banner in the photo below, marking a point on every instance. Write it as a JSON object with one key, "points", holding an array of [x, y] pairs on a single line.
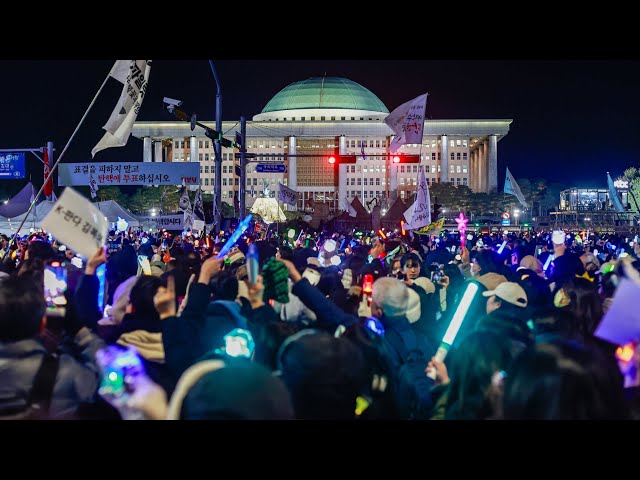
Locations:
{"points": [[48, 187]]}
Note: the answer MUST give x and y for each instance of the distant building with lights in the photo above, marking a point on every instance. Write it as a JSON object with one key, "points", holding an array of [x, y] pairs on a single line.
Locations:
{"points": [[309, 120]]}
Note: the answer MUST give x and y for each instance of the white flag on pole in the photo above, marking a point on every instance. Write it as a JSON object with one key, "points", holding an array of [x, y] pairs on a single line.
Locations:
{"points": [[93, 186], [407, 122], [418, 215], [512, 188], [347, 207], [287, 195], [185, 205], [134, 74]]}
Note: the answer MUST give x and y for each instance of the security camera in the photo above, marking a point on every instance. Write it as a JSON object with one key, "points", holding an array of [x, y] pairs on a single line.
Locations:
{"points": [[172, 101]]}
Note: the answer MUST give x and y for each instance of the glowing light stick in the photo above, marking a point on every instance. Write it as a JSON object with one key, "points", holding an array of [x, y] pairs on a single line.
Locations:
{"points": [[550, 258], [462, 226], [252, 264], [235, 236], [504, 244], [454, 326]]}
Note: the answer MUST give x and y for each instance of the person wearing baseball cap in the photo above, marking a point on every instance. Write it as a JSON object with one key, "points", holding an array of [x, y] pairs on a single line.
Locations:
{"points": [[507, 315]]}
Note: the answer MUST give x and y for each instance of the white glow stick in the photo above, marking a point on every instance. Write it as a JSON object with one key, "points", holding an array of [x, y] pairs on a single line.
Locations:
{"points": [[504, 244], [454, 326], [550, 258]]}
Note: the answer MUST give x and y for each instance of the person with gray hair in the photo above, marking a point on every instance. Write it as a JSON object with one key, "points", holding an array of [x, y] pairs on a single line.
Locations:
{"points": [[389, 299]]}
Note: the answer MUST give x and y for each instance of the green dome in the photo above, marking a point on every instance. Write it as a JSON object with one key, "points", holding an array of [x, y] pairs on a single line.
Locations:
{"points": [[325, 92]]}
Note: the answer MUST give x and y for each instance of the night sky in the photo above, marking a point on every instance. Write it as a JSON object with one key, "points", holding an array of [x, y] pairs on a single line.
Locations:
{"points": [[573, 120]]}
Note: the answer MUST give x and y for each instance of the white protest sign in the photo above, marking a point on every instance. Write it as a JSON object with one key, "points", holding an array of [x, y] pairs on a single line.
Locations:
{"points": [[77, 223], [287, 195], [198, 225]]}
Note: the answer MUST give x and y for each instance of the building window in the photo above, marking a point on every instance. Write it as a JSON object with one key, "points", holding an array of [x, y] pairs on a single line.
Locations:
{"points": [[452, 169], [377, 182], [464, 181], [206, 144], [439, 169], [224, 169], [353, 181], [458, 143], [401, 168], [230, 193], [177, 144], [377, 143], [248, 181], [206, 157], [224, 194], [303, 118], [377, 168], [458, 156], [452, 143], [343, 118], [464, 169], [353, 118], [224, 181], [206, 169], [200, 168], [200, 157], [322, 118], [438, 156], [359, 181], [457, 181], [464, 143], [464, 156], [333, 118], [402, 194], [402, 181], [206, 182], [452, 156], [312, 119], [182, 144], [255, 181]]}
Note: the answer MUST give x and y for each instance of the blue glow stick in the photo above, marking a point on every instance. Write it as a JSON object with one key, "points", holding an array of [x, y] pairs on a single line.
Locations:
{"points": [[456, 323], [504, 244], [548, 262], [252, 264], [236, 236]]}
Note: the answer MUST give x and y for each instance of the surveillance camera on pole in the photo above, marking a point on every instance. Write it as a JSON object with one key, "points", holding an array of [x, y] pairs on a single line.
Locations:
{"points": [[171, 103]]}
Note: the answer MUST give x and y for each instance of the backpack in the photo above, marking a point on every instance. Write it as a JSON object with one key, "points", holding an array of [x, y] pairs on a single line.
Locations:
{"points": [[410, 386], [40, 394]]}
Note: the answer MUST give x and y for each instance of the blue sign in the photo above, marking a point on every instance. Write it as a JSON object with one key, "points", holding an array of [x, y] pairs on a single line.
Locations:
{"points": [[11, 165], [129, 173], [271, 168], [506, 222]]}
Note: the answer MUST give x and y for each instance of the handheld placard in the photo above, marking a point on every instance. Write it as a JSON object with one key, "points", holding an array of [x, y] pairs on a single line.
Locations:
{"points": [[454, 326], [236, 235], [252, 264]]}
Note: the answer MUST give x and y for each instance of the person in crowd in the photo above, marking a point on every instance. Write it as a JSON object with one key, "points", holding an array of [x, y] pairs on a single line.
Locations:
{"points": [[564, 380], [56, 385]]}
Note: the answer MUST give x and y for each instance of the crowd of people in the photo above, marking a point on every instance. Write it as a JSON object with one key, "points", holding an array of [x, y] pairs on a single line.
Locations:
{"points": [[316, 325]]}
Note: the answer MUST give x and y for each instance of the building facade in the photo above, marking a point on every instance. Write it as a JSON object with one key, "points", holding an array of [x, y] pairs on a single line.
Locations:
{"points": [[308, 121]]}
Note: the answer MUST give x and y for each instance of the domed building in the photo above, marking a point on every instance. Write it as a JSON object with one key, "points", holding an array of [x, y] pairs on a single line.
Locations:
{"points": [[310, 120]]}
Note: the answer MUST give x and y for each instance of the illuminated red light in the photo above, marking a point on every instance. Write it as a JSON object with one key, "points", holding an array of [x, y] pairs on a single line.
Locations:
{"points": [[367, 284], [396, 159], [55, 264], [332, 160]]}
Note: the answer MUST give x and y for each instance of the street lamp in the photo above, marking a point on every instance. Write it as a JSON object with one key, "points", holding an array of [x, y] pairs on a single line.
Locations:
{"points": [[516, 213]]}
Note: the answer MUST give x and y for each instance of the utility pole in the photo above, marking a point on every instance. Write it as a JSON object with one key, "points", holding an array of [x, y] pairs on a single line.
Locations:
{"points": [[243, 165], [217, 196]]}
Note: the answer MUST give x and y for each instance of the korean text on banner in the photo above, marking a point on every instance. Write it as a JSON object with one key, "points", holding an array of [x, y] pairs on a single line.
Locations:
{"points": [[287, 195], [129, 173], [407, 122], [77, 223]]}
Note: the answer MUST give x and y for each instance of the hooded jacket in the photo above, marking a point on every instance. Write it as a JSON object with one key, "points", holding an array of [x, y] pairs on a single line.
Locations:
{"points": [[76, 382]]}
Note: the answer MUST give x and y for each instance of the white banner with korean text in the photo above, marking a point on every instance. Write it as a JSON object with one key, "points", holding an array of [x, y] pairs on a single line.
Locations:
{"points": [[77, 223]]}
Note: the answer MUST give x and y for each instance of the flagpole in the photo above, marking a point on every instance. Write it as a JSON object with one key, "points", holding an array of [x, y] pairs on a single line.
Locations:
{"points": [[35, 200]]}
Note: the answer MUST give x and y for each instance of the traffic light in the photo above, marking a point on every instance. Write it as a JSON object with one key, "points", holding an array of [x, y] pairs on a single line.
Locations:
{"points": [[404, 158]]}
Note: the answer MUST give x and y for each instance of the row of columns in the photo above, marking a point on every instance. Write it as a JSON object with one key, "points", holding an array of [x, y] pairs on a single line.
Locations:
{"points": [[483, 166]]}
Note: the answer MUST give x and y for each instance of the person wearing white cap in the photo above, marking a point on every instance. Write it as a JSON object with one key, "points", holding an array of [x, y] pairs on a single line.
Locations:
{"points": [[507, 314]]}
